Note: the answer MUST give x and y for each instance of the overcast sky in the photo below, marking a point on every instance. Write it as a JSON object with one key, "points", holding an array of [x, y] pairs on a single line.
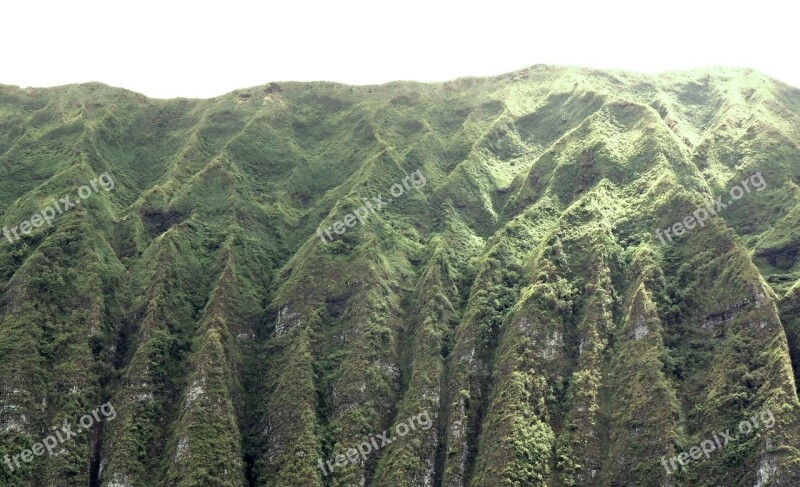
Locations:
{"points": [[195, 50]]}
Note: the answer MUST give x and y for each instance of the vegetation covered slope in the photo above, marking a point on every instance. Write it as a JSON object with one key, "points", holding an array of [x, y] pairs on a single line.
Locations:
{"points": [[517, 296]]}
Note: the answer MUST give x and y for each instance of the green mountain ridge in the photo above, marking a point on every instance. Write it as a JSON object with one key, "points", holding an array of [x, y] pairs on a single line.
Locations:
{"points": [[518, 293]]}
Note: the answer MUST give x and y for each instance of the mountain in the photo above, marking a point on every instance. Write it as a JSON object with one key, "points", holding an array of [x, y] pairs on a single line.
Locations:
{"points": [[558, 276]]}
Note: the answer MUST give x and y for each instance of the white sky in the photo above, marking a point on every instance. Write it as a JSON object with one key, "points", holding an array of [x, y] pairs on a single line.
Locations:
{"points": [[164, 49]]}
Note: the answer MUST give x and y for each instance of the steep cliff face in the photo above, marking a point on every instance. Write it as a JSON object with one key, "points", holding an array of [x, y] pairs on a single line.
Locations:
{"points": [[510, 281]]}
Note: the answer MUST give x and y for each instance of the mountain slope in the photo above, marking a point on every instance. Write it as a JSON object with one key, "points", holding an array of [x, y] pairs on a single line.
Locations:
{"points": [[273, 285]]}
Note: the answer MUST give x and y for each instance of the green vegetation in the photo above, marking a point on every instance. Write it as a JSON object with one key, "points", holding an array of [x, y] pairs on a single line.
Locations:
{"points": [[521, 297]]}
